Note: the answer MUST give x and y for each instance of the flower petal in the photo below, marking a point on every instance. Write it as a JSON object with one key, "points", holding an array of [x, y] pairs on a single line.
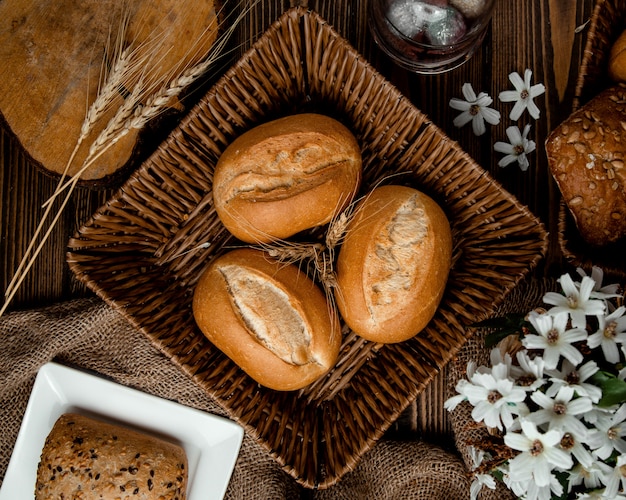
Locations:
{"points": [[478, 125], [462, 119], [517, 81], [459, 104], [508, 96]]}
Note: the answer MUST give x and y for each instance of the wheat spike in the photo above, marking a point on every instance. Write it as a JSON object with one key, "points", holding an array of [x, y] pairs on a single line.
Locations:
{"points": [[131, 114]]}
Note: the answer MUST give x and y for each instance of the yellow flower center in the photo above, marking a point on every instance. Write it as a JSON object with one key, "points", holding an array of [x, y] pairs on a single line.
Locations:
{"points": [[559, 408], [610, 330], [536, 448], [553, 336], [493, 396]]}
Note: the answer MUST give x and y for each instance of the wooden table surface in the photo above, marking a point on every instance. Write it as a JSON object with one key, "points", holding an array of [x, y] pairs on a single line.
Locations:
{"points": [[538, 34]]}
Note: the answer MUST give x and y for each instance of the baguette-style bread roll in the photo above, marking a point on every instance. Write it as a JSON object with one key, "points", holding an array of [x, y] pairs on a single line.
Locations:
{"points": [[586, 155], [393, 265], [88, 458], [268, 317], [285, 176], [617, 59]]}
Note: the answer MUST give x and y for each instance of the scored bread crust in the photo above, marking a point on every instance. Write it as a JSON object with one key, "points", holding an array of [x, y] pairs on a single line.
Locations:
{"points": [[285, 176], [586, 155], [87, 458], [269, 318], [393, 265]]}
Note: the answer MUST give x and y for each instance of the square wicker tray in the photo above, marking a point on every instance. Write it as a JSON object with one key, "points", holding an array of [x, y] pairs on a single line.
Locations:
{"points": [[141, 252], [608, 20]]}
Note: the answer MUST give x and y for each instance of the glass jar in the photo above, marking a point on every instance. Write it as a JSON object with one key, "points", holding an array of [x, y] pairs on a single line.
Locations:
{"points": [[429, 36]]}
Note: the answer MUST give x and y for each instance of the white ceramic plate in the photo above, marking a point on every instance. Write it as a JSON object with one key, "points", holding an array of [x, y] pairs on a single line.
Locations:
{"points": [[212, 443]]}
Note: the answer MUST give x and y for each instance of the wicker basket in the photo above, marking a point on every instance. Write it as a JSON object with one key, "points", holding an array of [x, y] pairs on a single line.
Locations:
{"points": [[608, 20], [142, 252]]}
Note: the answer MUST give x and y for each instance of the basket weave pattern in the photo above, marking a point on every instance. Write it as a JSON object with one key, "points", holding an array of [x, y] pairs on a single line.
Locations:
{"points": [[143, 251], [608, 20]]}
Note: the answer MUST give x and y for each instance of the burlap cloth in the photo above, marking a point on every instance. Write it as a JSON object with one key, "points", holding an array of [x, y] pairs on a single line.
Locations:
{"points": [[89, 334]]}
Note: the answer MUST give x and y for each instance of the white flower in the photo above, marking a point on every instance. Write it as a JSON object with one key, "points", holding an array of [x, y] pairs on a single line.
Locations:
{"points": [[616, 478], [561, 412], [529, 372], [599, 291], [611, 331], [480, 480], [540, 454], [474, 109], [552, 490], [608, 434], [575, 377], [575, 446], [495, 397], [554, 339], [517, 148], [598, 495], [592, 476], [577, 302], [523, 95]]}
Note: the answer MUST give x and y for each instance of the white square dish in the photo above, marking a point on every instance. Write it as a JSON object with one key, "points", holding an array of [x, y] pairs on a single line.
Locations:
{"points": [[211, 443]]}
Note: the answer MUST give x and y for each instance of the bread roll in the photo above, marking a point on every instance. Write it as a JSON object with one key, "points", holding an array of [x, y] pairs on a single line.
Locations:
{"points": [[88, 458], [268, 317], [586, 157], [393, 266], [617, 59], [285, 176]]}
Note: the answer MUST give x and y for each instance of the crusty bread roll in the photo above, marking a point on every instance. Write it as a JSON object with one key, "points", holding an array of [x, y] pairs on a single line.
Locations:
{"points": [[268, 317], [88, 458], [393, 265], [285, 176], [617, 59], [586, 155]]}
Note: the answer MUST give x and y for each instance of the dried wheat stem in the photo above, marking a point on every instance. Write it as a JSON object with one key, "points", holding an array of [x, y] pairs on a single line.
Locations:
{"points": [[11, 294], [106, 93], [130, 115]]}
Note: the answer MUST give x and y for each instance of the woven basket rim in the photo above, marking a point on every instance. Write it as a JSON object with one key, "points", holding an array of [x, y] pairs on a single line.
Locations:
{"points": [[144, 245]]}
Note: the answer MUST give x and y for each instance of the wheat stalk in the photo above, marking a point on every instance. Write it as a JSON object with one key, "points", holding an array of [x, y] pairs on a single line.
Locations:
{"points": [[130, 115]]}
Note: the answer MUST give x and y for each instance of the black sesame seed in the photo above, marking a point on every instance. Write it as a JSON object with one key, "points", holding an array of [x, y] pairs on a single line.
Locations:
{"points": [[135, 491], [137, 455], [169, 485], [150, 485], [151, 473], [97, 476], [122, 488]]}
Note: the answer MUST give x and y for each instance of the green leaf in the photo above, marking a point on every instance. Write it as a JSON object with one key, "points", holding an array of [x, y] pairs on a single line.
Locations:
{"points": [[512, 324], [613, 388], [613, 392]]}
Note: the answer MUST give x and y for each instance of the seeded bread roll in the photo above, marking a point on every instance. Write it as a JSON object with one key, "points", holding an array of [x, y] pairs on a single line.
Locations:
{"points": [[617, 59], [268, 317], [285, 176], [393, 265], [88, 459], [586, 157]]}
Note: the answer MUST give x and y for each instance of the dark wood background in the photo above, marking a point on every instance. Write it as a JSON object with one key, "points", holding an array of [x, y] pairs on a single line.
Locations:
{"points": [[538, 34]]}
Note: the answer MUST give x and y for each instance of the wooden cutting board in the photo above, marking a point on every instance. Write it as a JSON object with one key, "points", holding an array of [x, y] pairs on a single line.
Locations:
{"points": [[52, 54]]}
